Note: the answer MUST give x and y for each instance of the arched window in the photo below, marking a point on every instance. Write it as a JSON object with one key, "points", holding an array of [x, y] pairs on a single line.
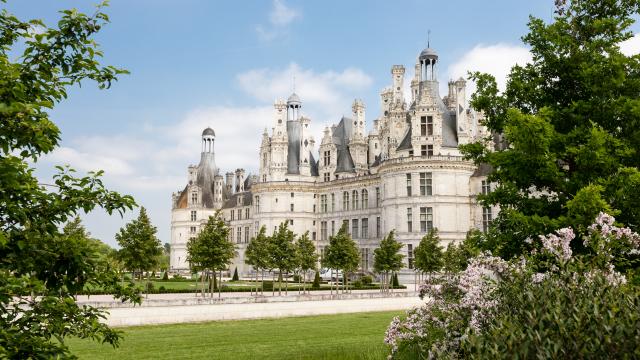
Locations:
{"points": [[345, 200], [365, 199], [354, 200]]}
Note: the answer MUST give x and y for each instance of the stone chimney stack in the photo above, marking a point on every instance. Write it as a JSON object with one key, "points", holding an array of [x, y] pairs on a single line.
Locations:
{"points": [[229, 182], [239, 180]]}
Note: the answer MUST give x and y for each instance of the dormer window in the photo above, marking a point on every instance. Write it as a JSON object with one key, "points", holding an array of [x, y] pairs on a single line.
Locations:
{"points": [[194, 197], [239, 200]]}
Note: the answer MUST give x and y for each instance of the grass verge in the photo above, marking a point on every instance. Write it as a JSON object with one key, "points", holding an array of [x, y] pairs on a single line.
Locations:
{"points": [[344, 336]]}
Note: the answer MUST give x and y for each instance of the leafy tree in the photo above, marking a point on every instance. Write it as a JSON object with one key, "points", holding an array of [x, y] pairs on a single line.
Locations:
{"points": [[428, 254], [571, 125], [41, 268], [140, 248], [211, 250], [257, 254], [282, 251], [387, 259], [342, 254], [306, 256]]}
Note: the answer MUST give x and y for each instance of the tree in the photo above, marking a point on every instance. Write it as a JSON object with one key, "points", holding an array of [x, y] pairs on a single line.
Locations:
{"points": [[257, 254], [571, 124], [36, 258], [211, 250], [387, 259], [140, 248], [282, 252], [306, 256], [342, 254], [428, 254]]}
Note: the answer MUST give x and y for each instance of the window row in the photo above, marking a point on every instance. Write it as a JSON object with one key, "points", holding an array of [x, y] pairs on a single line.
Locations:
{"points": [[351, 200], [359, 228], [239, 212], [426, 219]]}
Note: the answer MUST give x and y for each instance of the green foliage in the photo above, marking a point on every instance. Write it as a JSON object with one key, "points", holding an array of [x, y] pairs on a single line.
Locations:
{"points": [[428, 254], [386, 258], [366, 280], [282, 249], [566, 319], [257, 252], [165, 276], [211, 249], [571, 120], [306, 256], [394, 281], [316, 281], [456, 257], [235, 275], [342, 252], [36, 258], [140, 248]]}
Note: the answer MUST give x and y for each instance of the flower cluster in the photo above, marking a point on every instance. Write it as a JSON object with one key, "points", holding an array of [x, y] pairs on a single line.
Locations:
{"points": [[604, 227], [558, 243]]}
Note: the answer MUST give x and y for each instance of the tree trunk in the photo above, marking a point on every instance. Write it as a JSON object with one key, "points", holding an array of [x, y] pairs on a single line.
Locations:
{"points": [[220, 286]]}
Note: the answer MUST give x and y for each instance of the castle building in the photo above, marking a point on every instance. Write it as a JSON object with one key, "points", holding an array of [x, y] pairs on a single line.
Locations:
{"points": [[406, 174]]}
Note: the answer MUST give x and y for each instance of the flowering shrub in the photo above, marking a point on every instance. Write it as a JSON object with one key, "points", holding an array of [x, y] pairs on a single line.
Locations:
{"points": [[532, 307]]}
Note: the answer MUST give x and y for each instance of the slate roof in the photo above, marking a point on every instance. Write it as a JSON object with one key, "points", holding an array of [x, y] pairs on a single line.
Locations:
{"points": [[341, 140], [232, 201]]}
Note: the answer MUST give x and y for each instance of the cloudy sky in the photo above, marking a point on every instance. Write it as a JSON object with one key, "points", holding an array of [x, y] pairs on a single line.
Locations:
{"points": [[199, 63]]}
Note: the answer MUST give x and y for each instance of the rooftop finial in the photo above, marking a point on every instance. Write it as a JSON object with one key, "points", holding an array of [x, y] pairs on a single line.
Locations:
{"points": [[429, 38]]}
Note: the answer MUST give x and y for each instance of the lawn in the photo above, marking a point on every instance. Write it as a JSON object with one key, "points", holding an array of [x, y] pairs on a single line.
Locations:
{"points": [[345, 336]]}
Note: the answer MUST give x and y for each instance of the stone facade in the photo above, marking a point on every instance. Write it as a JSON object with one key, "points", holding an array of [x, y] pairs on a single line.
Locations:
{"points": [[406, 174]]}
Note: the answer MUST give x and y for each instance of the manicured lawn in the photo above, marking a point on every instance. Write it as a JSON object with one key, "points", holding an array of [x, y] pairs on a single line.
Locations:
{"points": [[345, 336]]}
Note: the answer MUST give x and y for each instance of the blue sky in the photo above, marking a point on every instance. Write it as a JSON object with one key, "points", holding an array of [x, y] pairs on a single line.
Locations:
{"points": [[222, 63]]}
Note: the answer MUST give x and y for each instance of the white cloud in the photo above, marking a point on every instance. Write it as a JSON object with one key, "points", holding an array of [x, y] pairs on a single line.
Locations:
{"points": [[497, 60], [281, 14], [631, 46], [89, 161], [280, 17]]}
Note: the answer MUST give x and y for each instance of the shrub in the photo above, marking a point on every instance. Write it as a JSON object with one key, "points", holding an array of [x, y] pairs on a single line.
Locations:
{"points": [[297, 278], [165, 276], [178, 277], [366, 280], [149, 286], [357, 284], [394, 281], [235, 275], [316, 281], [162, 289]]}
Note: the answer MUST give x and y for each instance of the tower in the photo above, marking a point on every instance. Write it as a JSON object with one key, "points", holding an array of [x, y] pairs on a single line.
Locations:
{"points": [[397, 74], [294, 134], [359, 123]]}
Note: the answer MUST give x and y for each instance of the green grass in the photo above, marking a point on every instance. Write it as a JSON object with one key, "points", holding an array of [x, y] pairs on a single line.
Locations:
{"points": [[345, 336]]}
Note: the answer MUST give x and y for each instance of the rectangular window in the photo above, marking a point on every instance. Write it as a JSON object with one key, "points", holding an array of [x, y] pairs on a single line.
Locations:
{"points": [[323, 203], [290, 222], [486, 218], [364, 259], [193, 216], [192, 230], [365, 199], [327, 158], [408, 184], [239, 236], [429, 125], [314, 207], [239, 214], [333, 202], [426, 219], [194, 198], [327, 176], [345, 201], [313, 236], [423, 126], [410, 255], [429, 150], [233, 214], [354, 228], [257, 204], [246, 234], [365, 228], [423, 150], [333, 227], [378, 199], [291, 207], [323, 230], [378, 227], [354, 200], [345, 223], [409, 220], [425, 184], [246, 213], [486, 187]]}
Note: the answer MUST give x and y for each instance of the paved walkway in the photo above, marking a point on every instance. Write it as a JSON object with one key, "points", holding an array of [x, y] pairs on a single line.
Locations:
{"points": [[135, 316]]}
